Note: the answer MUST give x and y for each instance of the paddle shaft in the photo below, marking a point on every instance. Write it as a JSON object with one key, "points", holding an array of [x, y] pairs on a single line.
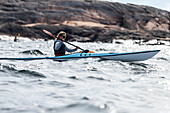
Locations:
{"points": [[74, 45]]}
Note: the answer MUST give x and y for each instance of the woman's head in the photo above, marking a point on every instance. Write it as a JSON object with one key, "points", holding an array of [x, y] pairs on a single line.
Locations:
{"points": [[62, 35]]}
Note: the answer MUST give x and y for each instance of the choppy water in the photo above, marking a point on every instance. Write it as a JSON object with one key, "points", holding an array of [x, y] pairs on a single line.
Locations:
{"points": [[85, 85]]}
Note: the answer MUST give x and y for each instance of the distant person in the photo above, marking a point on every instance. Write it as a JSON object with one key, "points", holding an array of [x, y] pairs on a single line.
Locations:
{"points": [[59, 47], [15, 39]]}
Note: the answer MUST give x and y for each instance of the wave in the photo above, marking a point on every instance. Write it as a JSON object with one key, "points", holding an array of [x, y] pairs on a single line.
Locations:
{"points": [[30, 73], [10, 70], [143, 65], [162, 58], [32, 52]]}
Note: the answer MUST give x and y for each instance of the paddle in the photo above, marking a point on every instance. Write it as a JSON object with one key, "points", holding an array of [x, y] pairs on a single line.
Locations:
{"points": [[85, 51]]}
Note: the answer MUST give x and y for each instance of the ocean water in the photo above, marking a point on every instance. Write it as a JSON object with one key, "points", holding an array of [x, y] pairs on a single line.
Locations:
{"points": [[84, 85]]}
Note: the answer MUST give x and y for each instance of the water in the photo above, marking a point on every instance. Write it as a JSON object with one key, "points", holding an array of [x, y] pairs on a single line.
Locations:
{"points": [[85, 85]]}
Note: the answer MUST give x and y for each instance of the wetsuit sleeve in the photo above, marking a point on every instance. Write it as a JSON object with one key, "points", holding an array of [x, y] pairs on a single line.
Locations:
{"points": [[70, 50], [58, 45]]}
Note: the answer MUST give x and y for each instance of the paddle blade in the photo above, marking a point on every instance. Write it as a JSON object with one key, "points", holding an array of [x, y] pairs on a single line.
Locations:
{"points": [[47, 32], [91, 52]]}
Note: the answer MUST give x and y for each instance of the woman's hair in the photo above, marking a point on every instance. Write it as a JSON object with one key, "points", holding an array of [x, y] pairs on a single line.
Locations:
{"points": [[60, 33]]}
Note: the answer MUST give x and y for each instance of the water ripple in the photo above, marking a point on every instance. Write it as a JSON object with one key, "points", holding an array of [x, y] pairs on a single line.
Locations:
{"points": [[60, 84], [30, 73], [97, 78], [74, 78], [85, 85], [81, 108]]}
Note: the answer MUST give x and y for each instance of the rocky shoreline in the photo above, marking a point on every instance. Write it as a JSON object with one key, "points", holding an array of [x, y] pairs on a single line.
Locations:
{"points": [[83, 20]]}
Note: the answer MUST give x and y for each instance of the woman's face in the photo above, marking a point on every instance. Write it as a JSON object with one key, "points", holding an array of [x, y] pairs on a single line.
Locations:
{"points": [[62, 36]]}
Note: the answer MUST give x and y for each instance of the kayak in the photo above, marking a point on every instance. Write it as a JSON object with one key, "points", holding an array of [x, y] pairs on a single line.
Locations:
{"points": [[127, 57]]}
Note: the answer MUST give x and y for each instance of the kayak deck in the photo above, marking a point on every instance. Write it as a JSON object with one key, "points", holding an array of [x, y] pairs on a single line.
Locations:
{"points": [[130, 56]]}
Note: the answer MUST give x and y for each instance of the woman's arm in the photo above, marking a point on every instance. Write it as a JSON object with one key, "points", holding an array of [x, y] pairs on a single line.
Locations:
{"points": [[70, 50], [58, 44]]}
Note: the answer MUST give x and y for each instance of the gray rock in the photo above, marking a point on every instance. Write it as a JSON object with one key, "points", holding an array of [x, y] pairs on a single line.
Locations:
{"points": [[83, 20]]}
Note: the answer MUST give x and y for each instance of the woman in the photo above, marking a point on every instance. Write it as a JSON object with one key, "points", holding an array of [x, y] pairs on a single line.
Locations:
{"points": [[59, 47]]}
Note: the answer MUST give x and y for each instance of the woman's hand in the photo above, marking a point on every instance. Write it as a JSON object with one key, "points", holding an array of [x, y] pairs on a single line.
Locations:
{"points": [[77, 47]]}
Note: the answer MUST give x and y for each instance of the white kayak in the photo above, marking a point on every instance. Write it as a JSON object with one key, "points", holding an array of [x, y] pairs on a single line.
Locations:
{"points": [[128, 57]]}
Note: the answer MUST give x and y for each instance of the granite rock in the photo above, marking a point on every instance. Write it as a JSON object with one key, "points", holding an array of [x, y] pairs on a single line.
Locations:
{"points": [[83, 20]]}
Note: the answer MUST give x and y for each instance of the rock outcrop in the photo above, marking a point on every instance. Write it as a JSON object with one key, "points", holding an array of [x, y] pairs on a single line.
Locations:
{"points": [[83, 20]]}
